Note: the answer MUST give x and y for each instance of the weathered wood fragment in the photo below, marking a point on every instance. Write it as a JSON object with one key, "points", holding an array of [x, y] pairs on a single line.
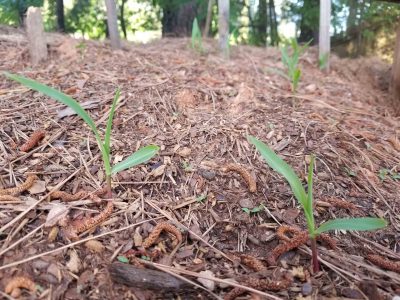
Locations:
{"points": [[36, 36]]}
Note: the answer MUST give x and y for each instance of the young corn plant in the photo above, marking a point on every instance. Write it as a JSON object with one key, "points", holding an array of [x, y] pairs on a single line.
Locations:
{"points": [[138, 157], [306, 200], [290, 54], [197, 41]]}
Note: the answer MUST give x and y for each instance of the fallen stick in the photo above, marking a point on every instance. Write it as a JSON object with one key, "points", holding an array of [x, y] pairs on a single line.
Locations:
{"points": [[148, 279]]}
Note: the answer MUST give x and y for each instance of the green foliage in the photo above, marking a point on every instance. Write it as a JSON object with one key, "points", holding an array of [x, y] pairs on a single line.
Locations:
{"points": [[306, 199], [197, 41], [140, 156], [290, 54], [12, 11], [254, 210]]}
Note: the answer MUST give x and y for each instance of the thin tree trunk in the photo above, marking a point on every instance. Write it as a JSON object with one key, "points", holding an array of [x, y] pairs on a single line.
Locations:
{"points": [[177, 19], [395, 81], [122, 18], [112, 21], [206, 30], [223, 26], [273, 24], [60, 15]]}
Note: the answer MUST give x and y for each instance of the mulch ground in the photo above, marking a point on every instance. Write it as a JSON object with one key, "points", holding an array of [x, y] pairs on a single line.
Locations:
{"points": [[199, 109]]}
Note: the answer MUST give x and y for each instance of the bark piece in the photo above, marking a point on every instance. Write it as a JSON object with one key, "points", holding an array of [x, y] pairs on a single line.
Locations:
{"points": [[147, 279]]}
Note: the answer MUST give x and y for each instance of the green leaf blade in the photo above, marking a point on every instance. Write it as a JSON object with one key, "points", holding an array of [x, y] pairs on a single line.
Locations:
{"points": [[357, 224], [107, 136], [280, 166], [56, 95], [140, 156]]}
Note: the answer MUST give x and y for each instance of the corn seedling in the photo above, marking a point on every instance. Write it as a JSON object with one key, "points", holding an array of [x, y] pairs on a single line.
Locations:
{"points": [[140, 156], [197, 42], [290, 59], [306, 200]]}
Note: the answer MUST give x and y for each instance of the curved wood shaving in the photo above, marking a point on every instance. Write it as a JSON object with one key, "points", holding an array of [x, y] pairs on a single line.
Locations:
{"points": [[64, 196], [8, 198], [33, 140], [79, 226], [384, 262], [22, 187], [20, 282], [242, 172], [152, 238]]}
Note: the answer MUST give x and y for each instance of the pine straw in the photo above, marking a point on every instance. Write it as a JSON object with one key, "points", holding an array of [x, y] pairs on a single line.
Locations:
{"points": [[174, 98]]}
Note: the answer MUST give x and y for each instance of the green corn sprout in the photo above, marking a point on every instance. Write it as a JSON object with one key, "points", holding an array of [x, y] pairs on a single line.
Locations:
{"points": [[140, 156], [197, 42], [290, 59], [306, 200]]}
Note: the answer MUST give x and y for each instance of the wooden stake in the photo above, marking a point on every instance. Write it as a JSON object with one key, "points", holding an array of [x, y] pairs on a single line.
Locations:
{"points": [[223, 26], [324, 36], [36, 37]]}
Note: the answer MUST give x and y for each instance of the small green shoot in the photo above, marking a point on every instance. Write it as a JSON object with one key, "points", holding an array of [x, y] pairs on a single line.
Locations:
{"points": [[201, 198], [290, 54], [383, 173], [350, 172], [187, 167], [122, 259], [140, 156], [197, 40], [306, 200], [254, 210], [323, 61]]}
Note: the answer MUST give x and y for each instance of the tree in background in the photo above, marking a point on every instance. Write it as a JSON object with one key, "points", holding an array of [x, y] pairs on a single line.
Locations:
{"points": [[12, 12], [60, 15]]}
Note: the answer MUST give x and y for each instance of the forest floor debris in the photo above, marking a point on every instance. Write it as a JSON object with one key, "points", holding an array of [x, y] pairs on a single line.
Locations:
{"points": [[198, 109]]}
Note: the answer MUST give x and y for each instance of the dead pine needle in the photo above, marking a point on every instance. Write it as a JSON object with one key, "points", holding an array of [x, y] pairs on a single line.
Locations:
{"points": [[33, 140], [152, 238], [242, 171], [21, 188]]}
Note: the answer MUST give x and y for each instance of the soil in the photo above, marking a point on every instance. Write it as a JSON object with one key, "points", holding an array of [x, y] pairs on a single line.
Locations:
{"points": [[199, 108]]}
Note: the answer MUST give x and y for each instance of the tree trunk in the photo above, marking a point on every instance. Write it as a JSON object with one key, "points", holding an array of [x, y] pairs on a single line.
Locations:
{"points": [[223, 26], [261, 23], [122, 17], [273, 23], [395, 81], [309, 22], [207, 25], [112, 22], [177, 19], [60, 15]]}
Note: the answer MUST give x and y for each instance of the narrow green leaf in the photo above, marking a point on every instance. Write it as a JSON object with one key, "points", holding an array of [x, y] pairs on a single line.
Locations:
{"points": [[140, 156], [280, 166], [56, 95], [309, 207], [358, 224], [107, 135]]}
